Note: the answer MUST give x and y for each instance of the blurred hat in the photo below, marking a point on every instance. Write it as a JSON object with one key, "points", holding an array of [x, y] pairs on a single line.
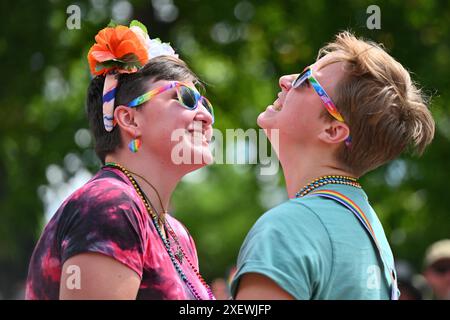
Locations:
{"points": [[437, 251]]}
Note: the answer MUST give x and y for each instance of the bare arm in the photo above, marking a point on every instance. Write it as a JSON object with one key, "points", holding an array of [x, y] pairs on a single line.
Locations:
{"points": [[100, 277], [254, 286]]}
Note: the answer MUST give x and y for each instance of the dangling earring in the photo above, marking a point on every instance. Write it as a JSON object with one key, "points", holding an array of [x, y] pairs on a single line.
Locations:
{"points": [[134, 145]]}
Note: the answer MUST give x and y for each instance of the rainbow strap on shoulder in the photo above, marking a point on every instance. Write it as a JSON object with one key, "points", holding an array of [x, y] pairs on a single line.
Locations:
{"points": [[356, 210]]}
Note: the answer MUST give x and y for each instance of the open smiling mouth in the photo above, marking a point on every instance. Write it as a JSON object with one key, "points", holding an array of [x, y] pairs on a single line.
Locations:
{"points": [[277, 106], [199, 135]]}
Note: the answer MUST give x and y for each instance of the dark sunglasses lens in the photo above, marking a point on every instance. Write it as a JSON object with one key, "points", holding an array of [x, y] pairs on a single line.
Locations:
{"points": [[300, 78], [295, 82], [188, 97], [208, 106]]}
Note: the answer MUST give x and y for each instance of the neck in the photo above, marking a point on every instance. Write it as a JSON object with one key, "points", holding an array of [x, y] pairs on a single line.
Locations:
{"points": [[299, 170], [158, 173]]}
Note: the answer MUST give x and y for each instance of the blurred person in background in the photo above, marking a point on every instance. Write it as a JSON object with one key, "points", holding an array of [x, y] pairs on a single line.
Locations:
{"points": [[412, 285], [221, 286], [437, 269]]}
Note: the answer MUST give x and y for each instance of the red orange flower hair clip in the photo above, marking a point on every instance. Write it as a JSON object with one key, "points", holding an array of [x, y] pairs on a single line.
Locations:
{"points": [[120, 49]]}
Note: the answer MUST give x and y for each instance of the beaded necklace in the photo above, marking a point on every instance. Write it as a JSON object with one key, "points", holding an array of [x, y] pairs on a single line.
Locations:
{"points": [[180, 254], [165, 241], [323, 180]]}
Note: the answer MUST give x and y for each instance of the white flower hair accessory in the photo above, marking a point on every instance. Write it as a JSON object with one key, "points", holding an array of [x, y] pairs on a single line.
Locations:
{"points": [[155, 47]]}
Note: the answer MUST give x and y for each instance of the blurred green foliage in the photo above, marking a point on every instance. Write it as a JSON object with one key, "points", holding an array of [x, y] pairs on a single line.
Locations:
{"points": [[240, 48]]}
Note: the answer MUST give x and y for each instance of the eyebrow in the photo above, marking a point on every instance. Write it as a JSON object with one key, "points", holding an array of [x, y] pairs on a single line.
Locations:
{"points": [[327, 64]]}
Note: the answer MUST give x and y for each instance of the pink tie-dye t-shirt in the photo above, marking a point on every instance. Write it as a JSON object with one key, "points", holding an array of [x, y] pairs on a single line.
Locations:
{"points": [[107, 216]]}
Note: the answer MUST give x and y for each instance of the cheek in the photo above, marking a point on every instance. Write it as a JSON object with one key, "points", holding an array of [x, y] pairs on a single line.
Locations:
{"points": [[292, 117], [298, 119], [156, 137], [157, 130]]}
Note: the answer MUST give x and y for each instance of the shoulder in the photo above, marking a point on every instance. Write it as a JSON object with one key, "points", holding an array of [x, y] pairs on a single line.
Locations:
{"points": [[105, 201], [104, 187], [105, 195], [290, 245], [292, 217], [290, 229], [104, 217]]}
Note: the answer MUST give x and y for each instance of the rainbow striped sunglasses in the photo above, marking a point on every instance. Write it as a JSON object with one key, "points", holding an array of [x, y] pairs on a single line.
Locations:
{"points": [[188, 97], [307, 75]]}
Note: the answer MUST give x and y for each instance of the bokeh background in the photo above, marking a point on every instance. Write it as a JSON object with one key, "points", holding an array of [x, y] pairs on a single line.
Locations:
{"points": [[240, 48]]}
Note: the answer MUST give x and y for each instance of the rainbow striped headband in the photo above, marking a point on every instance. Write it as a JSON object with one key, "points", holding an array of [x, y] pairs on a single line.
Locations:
{"points": [[109, 94]]}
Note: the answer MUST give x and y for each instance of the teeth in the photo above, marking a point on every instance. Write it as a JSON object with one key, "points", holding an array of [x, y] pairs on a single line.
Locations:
{"points": [[196, 133], [277, 106]]}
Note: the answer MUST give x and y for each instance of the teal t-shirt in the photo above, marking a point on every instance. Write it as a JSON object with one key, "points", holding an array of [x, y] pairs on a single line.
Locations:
{"points": [[315, 248]]}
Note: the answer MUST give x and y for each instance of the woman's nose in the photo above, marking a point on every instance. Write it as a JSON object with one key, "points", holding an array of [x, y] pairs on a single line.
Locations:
{"points": [[285, 82], [204, 115]]}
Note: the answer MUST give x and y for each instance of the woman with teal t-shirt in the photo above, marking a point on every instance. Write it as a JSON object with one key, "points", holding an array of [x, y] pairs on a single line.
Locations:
{"points": [[351, 111]]}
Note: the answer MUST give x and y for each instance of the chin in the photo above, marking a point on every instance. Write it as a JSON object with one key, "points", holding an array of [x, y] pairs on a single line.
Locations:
{"points": [[208, 157], [260, 120], [266, 120], [202, 156], [191, 152], [205, 158]]}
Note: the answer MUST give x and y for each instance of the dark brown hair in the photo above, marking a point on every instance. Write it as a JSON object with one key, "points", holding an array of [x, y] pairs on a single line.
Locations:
{"points": [[129, 86]]}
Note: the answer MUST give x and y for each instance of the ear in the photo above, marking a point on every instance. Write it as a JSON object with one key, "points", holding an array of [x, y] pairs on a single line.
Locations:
{"points": [[334, 132], [125, 118]]}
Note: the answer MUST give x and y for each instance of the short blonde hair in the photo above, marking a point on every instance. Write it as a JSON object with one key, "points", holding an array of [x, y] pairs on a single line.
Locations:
{"points": [[385, 111]]}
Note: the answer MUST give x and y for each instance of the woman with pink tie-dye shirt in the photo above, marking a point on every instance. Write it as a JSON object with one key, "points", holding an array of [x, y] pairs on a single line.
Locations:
{"points": [[113, 238]]}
